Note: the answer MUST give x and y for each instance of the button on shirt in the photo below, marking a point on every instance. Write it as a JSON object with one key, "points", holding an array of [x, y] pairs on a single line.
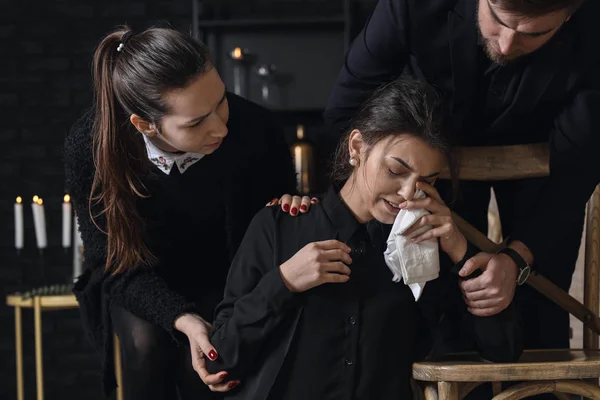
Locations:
{"points": [[354, 340]]}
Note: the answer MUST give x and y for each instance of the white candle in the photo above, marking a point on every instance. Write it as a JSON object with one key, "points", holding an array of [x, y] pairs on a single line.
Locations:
{"points": [[43, 223], [66, 221], [36, 220], [19, 223], [39, 222]]}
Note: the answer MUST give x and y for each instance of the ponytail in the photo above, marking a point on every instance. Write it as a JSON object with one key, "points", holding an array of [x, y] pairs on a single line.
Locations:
{"points": [[118, 154], [132, 72]]}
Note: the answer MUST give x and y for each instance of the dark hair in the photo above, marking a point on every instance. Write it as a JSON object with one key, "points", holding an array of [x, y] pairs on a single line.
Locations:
{"points": [[536, 8], [131, 74], [403, 106]]}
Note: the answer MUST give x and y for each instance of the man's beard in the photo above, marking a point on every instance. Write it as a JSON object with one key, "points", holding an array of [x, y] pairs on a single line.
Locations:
{"points": [[490, 52], [495, 55]]}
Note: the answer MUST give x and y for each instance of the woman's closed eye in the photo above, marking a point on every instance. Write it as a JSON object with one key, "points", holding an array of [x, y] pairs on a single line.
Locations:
{"points": [[398, 172], [197, 123]]}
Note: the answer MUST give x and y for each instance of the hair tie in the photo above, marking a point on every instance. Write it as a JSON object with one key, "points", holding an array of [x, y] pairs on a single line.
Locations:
{"points": [[124, 38]]}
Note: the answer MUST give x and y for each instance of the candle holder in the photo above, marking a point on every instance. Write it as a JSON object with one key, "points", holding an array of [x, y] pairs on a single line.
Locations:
{"points": [[241, 59], [266, 74]]}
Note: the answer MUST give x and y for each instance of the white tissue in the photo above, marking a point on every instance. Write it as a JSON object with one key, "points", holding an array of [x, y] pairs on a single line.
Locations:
{"points": [[414, 263]]}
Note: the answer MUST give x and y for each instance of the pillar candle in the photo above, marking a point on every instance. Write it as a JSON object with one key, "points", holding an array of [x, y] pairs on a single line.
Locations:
{"points": [[39, 222], [67, 218], [19, 223]]}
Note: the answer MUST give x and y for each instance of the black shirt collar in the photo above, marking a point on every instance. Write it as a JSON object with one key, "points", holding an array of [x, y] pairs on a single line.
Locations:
{"points": [[347, 225], [340, 216]]}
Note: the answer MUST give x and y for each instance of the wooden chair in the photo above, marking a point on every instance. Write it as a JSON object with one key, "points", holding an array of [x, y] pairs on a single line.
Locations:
{"points": [[557, 371]]}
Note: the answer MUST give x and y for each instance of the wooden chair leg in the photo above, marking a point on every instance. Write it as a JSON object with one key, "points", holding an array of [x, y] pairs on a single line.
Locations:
{"points": [[430, 391], [496, 388], [448, 390]]}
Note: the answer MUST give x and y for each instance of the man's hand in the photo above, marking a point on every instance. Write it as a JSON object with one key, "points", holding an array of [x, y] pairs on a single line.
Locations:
{"points": [[494, 289]]}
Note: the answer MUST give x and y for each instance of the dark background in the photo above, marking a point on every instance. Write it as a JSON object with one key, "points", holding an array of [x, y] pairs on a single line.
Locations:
{"points": [[45, 54]]}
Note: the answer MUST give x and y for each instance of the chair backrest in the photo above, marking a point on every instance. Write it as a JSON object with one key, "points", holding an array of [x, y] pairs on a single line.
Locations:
{"points": [[492, 163]]}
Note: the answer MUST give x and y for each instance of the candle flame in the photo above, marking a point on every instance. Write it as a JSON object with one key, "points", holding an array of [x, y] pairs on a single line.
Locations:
{"points": [[237, 52], [40, 201], [35, 198], [19, 200], [67, 198]]}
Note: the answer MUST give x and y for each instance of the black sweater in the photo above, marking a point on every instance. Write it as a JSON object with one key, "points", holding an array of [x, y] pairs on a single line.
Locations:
{"points": [[195, 222]]}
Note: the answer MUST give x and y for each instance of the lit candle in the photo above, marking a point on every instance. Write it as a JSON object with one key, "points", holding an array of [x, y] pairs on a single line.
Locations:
{"points": [[39, 222], [19, 223], [67, 220], [43, 223], [237, 55]]}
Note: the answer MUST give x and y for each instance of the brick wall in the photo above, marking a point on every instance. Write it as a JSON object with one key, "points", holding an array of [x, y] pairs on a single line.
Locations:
{"points": [[45, 52]]}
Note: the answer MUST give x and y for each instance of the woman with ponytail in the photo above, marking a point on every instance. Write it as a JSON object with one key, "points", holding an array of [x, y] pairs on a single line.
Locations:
{"points": [[160, 171]]}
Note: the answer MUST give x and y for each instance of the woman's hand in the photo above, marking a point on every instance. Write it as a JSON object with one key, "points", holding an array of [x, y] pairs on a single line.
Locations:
{"points": [[198, 332], [451, 240], [293, 204], [315, 264]]}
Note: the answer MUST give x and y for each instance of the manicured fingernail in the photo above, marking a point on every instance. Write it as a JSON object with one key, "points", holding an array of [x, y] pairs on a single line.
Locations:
{"points": [[294, 211], [233, 384], [303, 208], [212, 355], [286, 207], [223, 375], [274, 200], [313, 200]]}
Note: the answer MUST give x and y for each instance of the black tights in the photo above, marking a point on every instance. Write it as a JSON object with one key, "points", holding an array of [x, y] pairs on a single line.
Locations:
{"points": [[154, 367]]}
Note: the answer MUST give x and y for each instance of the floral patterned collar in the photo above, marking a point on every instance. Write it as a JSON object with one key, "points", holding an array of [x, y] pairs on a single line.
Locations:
{"points": [[165, 161]]}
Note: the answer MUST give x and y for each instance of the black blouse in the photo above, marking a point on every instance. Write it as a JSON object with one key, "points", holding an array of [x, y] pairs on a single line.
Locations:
{"points": [[355, 340]]}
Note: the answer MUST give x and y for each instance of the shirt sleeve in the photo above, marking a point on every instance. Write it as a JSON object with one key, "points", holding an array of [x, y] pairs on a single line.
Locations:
{"points": [[377, 55], [255, 300], [140, 290], [452, 328], [498, 337]]}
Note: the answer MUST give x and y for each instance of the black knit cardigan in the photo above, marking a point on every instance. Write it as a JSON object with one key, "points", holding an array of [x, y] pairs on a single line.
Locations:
{"points": [[194, 224]]}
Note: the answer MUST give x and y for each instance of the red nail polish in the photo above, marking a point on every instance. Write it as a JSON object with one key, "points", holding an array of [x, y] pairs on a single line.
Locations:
{"points": [[294, 211], [212, 355], [233, 384], [286, 207], [302, 208], [274, 201], [223, 375]]}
